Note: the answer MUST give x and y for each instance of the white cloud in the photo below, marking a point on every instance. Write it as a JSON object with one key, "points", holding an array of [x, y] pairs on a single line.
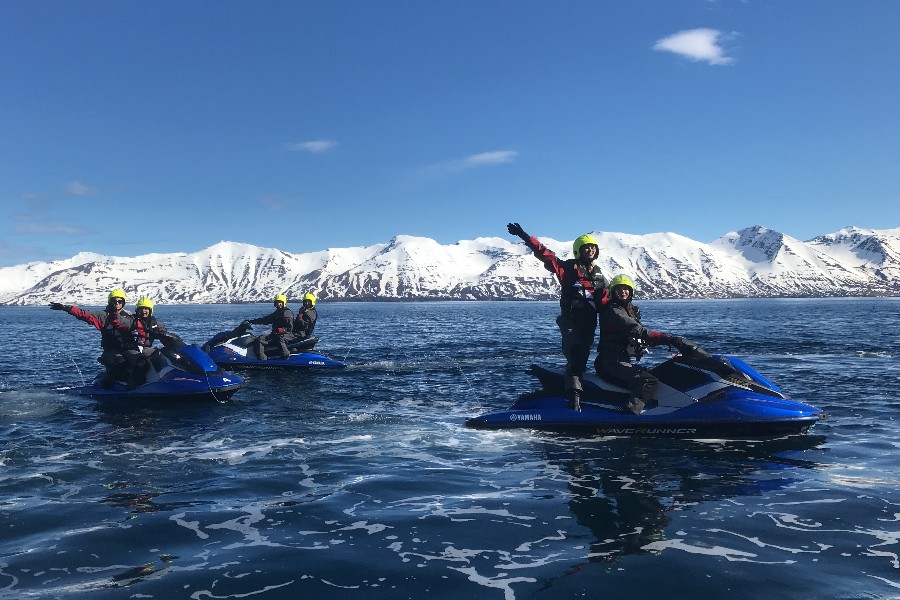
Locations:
{"points": [[498, 157], [697, 45], [76, 188], [474, 161], [312, 146]]}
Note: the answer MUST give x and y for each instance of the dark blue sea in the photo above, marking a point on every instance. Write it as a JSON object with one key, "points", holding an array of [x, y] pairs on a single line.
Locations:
{"points": [[364, 483]]}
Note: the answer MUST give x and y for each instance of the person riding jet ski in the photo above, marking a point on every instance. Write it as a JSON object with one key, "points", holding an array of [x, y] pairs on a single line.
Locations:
{"points": [[623, 337], [120, 352], [282, 322], [146, 329], [583, 292], [305, 321]]}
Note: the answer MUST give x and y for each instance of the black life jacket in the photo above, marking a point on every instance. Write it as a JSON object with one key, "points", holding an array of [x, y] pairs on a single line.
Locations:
{"points": [[113, 339], [305, 322], [613, 340], [581, 292], [284, 320], [144, 331]]}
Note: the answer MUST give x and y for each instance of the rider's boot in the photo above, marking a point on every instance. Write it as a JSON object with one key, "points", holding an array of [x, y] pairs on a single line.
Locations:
{"points": [[635, 405]]}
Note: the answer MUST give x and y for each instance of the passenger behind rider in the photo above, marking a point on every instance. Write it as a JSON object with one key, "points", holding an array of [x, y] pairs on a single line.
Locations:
{"points": [[583, 287], [305, 321], [282, 322], [146, 329], [623, 338], [120, 351]]}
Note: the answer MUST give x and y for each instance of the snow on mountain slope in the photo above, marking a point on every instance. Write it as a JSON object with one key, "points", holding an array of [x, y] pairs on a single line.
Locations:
{"points": [[781, 265], [751, 262]]}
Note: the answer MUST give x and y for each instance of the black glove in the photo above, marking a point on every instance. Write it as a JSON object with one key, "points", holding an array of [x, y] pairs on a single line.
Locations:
{"points": [[688, 348], [679, 343], [694, 351], [516, 230], [58, 306], [170, 339]]}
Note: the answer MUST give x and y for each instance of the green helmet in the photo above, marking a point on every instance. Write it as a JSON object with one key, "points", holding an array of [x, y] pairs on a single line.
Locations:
{"points": [[621, 280], [280, 298], [145, 302], [310, 297], [116, 293], [580, 241]]}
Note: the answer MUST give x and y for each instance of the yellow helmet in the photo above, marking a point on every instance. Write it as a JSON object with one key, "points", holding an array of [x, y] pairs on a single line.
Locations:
{"points": [[280, 298], [310, 297], [621, 280], [580, 241], [117, 293], [144, 302]]}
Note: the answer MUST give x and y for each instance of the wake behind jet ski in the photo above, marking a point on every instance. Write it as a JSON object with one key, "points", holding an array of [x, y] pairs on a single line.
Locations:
{"points": [[698, 397], [237, 349], [176, 373]]}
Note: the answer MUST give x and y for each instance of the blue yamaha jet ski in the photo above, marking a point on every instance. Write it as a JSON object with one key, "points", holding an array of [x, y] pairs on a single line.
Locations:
{"points": [[176, 373], [698, 397], [236, 349]]}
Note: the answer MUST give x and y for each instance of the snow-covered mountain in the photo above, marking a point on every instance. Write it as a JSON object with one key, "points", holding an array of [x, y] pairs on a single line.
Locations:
{"points": [[752, 262]]}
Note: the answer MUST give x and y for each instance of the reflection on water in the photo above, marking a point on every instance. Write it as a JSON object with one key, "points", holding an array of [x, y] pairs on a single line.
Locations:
{"points": [[625, 492]]}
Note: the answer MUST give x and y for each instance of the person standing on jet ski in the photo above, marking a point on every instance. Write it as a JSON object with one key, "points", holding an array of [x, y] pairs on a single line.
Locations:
{"points": [[583, 287], [282, 322], [623, 337], [120, 350], [305, 321], [146, 329]]}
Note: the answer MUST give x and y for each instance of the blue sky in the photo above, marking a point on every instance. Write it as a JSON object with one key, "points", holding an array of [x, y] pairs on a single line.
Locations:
{"points": [[136, 127]]}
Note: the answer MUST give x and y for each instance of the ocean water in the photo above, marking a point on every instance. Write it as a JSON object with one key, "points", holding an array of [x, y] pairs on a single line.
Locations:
{"points": [[364, 483]]}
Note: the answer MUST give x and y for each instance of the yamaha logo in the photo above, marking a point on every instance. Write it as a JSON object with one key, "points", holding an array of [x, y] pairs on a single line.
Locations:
{"points": [[518, 417]]}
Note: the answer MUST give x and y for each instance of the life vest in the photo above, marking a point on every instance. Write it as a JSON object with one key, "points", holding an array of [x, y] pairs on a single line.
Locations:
{"points": [[616, 335], [113, 339], [581, 292], [144, 331], [284, 321], [305, 322]]}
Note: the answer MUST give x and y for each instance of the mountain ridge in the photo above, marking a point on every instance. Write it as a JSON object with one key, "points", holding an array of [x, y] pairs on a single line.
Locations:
{"points": [[751, 262]]}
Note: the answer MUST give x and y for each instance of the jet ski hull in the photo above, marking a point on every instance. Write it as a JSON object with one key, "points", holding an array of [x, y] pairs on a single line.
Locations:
{"points": [[734, 419], [236, 350], [719, 398], [191, 389], [302, 360], [174, 375]]}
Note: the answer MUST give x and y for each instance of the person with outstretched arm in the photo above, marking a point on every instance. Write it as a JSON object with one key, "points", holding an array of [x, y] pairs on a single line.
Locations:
{"points": [[120, 351], [583, 290]]}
